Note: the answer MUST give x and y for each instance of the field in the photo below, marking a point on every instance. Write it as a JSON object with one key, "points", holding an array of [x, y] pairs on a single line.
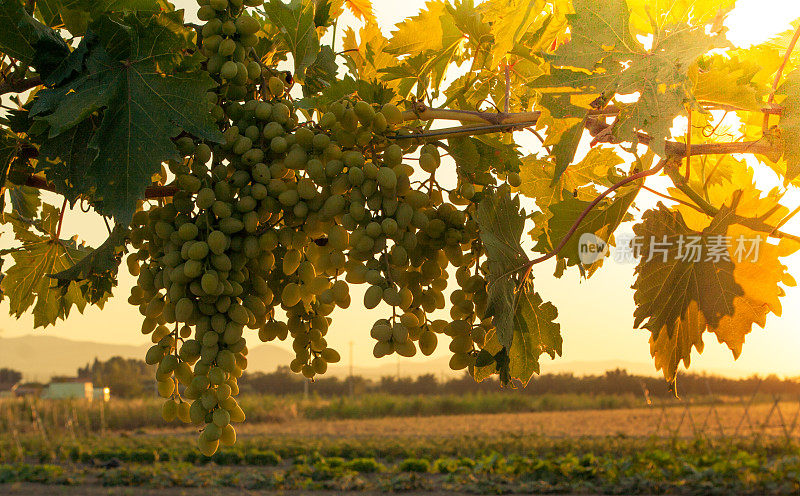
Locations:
{"points": [[586, 451]]}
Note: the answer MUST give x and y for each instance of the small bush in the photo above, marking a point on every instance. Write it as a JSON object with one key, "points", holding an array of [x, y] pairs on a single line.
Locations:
{"points": [[365, 465], [419, 465], [262, 458]]}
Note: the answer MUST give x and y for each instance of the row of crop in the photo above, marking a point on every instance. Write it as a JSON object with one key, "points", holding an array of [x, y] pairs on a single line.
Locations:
{"points": [[80, 417], [645, 473], [266, 451]]}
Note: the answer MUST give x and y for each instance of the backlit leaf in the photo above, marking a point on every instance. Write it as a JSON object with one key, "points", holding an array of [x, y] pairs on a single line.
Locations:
{"points": [[145, 99], [297, 30]]}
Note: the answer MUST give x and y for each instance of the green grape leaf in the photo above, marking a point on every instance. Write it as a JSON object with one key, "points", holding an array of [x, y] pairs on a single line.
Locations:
{"points": [[535, 332], [599, 29], [661, 78], [295, 21], [26, 39], [598, 225], [601, 43], [322, 73], [26, 284], [66, 160], [469, 20], [134, 72], [76, 15], [25, 201], [565, 149], [484, 154], [10, 146], [789, 124], [578, 181], [525, 325], [96, 273]]}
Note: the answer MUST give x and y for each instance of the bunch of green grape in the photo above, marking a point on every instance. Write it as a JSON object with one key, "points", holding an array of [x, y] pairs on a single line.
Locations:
{"points": [[268, 229]]}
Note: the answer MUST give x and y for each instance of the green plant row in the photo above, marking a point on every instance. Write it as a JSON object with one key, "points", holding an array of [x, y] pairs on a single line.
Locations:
{"points": [[693, 468]]}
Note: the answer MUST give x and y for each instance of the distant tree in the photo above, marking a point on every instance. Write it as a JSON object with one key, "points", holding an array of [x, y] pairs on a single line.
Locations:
{"points": [[126, 377], [10, 376]]}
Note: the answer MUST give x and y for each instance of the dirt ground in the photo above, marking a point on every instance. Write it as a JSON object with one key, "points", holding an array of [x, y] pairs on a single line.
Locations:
{"points": [[637, 422]]}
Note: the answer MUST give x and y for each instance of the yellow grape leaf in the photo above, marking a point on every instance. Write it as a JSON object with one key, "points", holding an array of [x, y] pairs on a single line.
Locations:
{"points": [[739, 293], [670, 349], [432, 29], [664, 12], [366, 53], [759, 274], [361, 9], [537, 178], [726, 81], [510, 21]]}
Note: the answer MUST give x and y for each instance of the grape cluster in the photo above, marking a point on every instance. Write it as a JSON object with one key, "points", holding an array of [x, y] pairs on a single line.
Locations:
{"points": [[268, 229]]}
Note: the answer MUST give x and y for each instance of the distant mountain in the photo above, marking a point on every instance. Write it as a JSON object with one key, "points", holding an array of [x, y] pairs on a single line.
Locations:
{"points": [[41, 357], [440, 368]]}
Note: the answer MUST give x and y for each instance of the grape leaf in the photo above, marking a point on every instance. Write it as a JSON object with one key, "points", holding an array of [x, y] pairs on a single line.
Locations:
{"points": [[565, 149], [469, 20], [26, 39], [295, 22], [26, 283], [727, 297], [510, 21], [66, 159], [96, 273], [133, 72], [10, 145], [790, 123], [535, 333], [578, 181], [659, 13], [525, 325], [669, 276], [76, 15], [366, 54], [25, 201], [601, 42], [601, 221], [432, 29], [483, 154], [599, 29], [361, 9], [322, 73], [726, 81]]}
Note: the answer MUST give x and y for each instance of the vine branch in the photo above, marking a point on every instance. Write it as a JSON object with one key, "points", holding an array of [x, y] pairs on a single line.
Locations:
{"points": [[778, 75], [152, 192], [19, 85], [710, 210]]}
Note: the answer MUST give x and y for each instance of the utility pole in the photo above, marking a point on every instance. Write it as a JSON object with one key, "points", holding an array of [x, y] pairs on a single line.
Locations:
{"points": [[350, 378]]}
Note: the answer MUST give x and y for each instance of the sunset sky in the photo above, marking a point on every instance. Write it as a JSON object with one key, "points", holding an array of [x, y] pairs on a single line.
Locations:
{"points": [[595, 314]]}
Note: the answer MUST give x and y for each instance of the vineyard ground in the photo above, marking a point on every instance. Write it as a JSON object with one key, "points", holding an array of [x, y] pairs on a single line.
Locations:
{"points": [[628, 422], [571, 452]]}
